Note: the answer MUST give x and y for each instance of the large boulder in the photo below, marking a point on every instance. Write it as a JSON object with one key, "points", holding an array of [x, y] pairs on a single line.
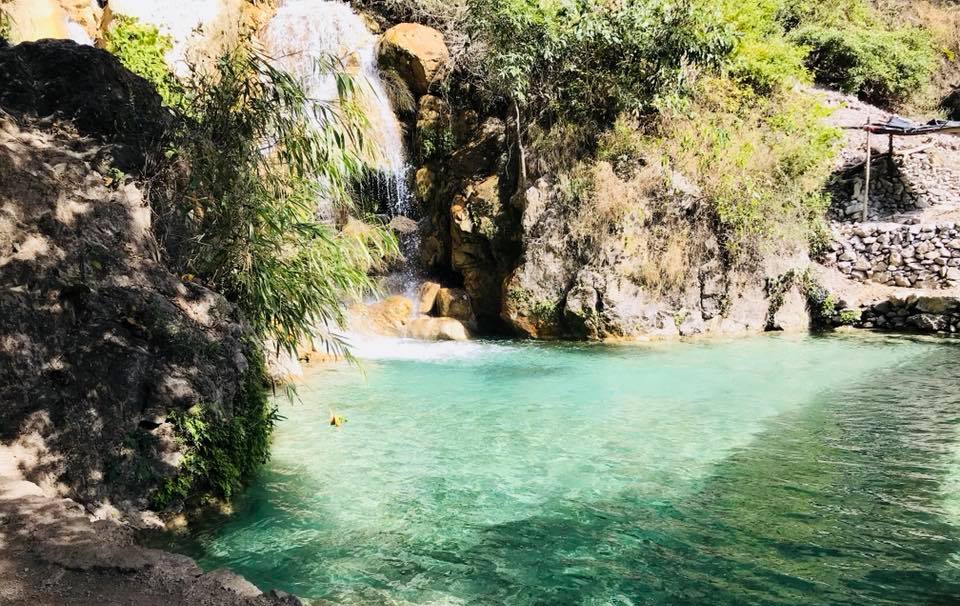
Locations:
{"points": [[427, 297], [437, 329], [100, 344], [388, 317], [417, 52], [455, 303], [36, 19]]}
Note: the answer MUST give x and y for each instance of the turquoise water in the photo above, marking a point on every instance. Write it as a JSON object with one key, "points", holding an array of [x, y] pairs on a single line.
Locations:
{"points": [[765, 471]]}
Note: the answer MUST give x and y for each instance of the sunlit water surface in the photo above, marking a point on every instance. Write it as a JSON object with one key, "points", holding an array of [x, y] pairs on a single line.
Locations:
{"points": [[766, 471]]}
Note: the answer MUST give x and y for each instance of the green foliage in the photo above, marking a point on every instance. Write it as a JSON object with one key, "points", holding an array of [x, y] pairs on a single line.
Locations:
{"points": [[141, 48], [777, 290], [620, 147], [761, 161], [880, 66], [435, 143], [831, 13], [763, 58], [221, 451], [6, 25], [849, 317], [261, 158], [589, 60], [821, 303]]}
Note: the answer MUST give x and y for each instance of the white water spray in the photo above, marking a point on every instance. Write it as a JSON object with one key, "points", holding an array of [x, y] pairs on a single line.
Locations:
{"points": [[304, 31]]}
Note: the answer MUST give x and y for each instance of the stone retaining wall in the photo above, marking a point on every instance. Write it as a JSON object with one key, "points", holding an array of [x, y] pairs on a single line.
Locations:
{"points": [[925, 314], [916, 256], [908, 183]]}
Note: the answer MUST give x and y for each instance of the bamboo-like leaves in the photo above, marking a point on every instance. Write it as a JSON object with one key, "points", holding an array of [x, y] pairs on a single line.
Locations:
{"points": [[263, 157]]}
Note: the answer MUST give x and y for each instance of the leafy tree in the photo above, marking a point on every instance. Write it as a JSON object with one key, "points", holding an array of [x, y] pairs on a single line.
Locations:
{"points": [[882, 67], [589, 59]]}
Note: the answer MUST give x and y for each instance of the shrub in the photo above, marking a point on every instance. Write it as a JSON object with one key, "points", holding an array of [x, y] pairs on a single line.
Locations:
{"points": [[220, 453], [261, 158], [763, 58], [882, 67], [589, 60], [6, 25], [849, 317], [761, 162], [142, 49]]}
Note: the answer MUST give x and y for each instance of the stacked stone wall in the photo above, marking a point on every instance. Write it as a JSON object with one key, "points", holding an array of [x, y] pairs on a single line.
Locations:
{"points": [[913, 256], [909, 183], [924, 314]]}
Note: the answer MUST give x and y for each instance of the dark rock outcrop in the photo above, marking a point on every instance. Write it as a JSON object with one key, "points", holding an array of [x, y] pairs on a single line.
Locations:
{"points": [[88, 87], [99, 341]]}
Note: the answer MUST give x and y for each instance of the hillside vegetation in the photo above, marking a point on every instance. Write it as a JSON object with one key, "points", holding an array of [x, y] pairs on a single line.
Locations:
{"points": [[714, 89]]}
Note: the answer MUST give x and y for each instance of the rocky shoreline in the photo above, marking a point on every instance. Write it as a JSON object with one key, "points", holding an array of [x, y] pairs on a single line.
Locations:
{"points": [[54, 552]]}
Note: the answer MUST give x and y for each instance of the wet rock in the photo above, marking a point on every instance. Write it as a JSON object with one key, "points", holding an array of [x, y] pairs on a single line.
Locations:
{"points": [[455, 303], [388, 317], [437, 329], [427, 297]]}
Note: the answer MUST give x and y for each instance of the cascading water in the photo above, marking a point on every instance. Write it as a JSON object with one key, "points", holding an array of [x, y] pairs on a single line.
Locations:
{"points": [[304, 31]]}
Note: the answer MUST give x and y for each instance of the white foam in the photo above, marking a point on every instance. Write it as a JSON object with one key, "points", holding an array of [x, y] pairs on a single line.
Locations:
{"points": [[368, 347], [76, 33]]}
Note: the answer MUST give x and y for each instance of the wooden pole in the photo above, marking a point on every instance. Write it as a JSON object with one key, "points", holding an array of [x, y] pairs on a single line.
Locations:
{"points": [[866, 183]]}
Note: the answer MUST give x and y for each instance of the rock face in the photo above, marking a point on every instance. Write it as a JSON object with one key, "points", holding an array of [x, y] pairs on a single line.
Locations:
{"points": [[87, 87], [417, 52], [99, 342], [634, 278], [536, 264]]}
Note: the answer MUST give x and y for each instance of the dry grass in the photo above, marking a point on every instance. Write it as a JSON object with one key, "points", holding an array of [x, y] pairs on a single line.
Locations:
{"points": [[610, 199], [662, 258], [942, 20], [635, 215]]}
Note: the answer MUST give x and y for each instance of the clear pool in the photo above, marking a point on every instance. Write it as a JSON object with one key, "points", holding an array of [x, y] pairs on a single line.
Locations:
{"points": [[775, 470]]}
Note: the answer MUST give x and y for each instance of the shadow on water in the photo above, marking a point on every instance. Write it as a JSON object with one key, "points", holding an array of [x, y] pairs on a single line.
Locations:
{"points": [[840, 505], [840, 501]]}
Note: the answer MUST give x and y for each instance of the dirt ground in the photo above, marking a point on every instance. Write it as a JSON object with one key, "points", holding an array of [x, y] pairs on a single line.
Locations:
{"points": [[52, 553]]}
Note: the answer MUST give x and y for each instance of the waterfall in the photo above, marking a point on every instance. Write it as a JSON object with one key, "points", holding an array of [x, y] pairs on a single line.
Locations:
{"points": [[305, 30]]}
